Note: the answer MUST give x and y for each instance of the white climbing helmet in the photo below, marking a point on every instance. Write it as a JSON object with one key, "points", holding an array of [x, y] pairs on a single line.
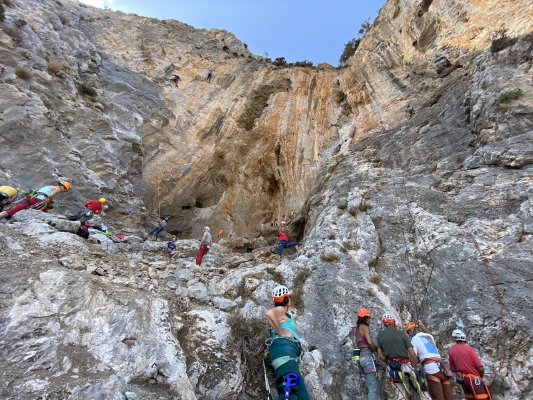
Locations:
{"points": [[206, 228], [458, 335], [388, 318], [279, 293]]}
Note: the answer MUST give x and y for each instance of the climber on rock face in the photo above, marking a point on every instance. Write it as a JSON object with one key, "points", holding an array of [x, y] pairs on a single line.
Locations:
{"points": [[284, 347], [283, 240], [176, 79], [91, 208], [364, 352], [7, 195], [395, 348], [39, 200], [209, 76], [468, 368], [159, 228], [438, 383], [204, 246]]}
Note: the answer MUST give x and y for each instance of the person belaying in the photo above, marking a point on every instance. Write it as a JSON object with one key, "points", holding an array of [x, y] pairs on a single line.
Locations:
{"points": [[160, 227], [395, 348], [8, 194], [170, 248], [363, 353], [437, 371], [91, 208], [284, 348], [176, 79], [283, 240], [220, 234], [204, 245], [468, 368], [39, 200]]}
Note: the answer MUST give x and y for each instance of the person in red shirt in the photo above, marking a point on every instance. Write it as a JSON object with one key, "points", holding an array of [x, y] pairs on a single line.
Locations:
{"points": [[468, 368], [283, 241], [96, 206], [92, 208]]}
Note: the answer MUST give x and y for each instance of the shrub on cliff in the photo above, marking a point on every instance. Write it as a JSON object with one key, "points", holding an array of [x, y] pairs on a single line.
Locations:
{"points": [[352, 45], [23, 73]]}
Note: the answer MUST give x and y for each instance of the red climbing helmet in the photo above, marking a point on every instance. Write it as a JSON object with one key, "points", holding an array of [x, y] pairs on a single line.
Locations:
{"points": [[388, 319], [363, 312]]}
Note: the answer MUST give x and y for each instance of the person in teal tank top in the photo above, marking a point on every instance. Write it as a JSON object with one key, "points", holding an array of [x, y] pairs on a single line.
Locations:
{"points": [[285, 348], [40, 200]]}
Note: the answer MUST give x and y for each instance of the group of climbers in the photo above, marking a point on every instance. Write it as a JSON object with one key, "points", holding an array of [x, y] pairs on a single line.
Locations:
{"points": [[41, 199], [177, 79], [413, 363]]}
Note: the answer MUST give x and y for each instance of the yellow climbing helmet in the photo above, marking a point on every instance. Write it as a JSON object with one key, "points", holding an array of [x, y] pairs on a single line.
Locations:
{"points": [[102, 200], [65, 184]]}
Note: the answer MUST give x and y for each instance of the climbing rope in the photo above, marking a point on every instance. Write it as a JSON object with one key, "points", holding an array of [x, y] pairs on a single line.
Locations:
{"points": [[418, 308], [432, 266], [484, 260], [396, 197]]}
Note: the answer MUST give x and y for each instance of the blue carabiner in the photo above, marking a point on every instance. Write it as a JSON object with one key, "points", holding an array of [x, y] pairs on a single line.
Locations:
{"points": [[292, 380]]}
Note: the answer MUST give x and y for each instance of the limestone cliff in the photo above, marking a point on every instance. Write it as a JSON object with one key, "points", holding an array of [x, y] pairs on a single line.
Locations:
{"points": [[426, 213]]}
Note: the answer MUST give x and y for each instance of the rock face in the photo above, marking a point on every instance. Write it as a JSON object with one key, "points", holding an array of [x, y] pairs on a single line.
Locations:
{"points": [[409, 170]]}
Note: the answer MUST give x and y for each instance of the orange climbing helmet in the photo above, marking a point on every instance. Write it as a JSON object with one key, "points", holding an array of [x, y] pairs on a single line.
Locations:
{"points": [[410, 325], [363, 312], [65, 184]]}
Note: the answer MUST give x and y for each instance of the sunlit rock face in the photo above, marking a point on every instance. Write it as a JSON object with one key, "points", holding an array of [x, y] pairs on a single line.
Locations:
{"points": [[409, 171]]}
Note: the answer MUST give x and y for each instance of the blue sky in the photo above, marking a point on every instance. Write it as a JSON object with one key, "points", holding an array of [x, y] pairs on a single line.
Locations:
{"points": [[316, 30]]}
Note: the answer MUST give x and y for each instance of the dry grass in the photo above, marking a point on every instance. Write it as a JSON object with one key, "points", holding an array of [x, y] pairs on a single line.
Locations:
{"points": [[329, 257], [23, 73], [87, 90], [276, 276], [55, 69], [248, 336], [298, 288], [375, 279]]}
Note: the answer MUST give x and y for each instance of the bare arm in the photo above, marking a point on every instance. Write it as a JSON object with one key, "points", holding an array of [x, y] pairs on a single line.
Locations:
{"points": [[54, 193], [481, 371], [272, 319], [381, 356], [412, 356]]}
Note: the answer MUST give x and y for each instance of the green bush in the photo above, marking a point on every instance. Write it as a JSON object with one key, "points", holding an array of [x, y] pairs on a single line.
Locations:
{"points": [[510, 95]]}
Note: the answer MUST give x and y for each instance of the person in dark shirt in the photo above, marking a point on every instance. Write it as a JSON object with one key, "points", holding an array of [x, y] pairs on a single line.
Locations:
{"points": [[395, 348], [170, 248]]}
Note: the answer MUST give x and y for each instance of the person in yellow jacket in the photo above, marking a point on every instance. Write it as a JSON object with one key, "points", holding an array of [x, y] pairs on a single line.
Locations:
{"points": [[7, 195]]}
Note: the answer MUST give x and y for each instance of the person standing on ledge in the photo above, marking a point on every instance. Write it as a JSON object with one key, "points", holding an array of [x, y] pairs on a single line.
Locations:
{"points": [[283, 240], [204, 246]]}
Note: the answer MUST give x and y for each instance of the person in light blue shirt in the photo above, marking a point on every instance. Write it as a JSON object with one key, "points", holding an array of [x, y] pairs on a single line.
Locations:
{"points": [[285, 347]]}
